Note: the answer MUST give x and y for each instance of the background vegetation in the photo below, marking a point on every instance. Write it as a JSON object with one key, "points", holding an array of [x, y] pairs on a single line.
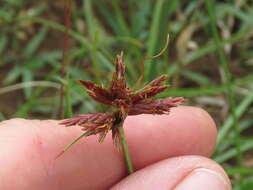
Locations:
{"points": [[210, 60]]}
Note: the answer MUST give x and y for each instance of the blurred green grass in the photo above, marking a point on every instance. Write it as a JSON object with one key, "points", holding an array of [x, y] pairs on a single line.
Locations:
{"points": [[210, 60]]}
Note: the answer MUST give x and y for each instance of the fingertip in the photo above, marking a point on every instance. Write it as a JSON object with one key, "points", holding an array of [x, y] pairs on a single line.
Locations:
{"points": [[185, 131], [180, 173], [204, 126]]}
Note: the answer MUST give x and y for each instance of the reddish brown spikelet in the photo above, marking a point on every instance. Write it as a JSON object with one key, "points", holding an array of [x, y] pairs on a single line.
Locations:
{"points": [[148, 92], [79, 119], [158, 81], [151, 89], [118, 83], [98, 93], [120, 67], [161, 106], [95, 122]]}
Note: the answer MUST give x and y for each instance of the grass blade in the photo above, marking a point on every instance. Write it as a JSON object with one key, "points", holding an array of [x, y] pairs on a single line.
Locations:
{"points": [[227, 74]]}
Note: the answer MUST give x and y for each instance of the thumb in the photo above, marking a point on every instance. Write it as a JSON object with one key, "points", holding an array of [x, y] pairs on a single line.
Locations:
{"points": [[180, 173]]}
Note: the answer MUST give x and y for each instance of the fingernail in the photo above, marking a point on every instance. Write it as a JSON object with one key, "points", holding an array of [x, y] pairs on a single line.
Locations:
{"points": [[202, 178]]}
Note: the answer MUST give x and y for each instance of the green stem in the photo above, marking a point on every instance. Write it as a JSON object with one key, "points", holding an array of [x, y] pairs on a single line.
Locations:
{"points": [[125, 149]]}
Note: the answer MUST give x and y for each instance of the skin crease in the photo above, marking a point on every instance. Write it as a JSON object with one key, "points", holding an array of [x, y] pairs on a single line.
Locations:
{"points": [[29, 149]]}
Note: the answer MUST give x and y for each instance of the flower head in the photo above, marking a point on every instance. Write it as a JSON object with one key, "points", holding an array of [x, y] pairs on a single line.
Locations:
{"points": [[124, 100]]}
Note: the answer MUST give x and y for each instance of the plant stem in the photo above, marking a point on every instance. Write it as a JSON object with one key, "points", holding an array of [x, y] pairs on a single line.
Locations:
{"points": [[65, 58], [124, 147]]}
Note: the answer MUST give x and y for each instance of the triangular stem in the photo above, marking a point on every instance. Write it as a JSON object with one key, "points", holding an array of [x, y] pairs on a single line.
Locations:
{"points": [[125, 151]]}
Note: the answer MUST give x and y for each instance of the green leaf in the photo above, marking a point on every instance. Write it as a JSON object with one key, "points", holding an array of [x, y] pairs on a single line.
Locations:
{"points": [[239, 110], [140, 12], [3, 42], [162, 12], [109, 16], [34, 43], [197, 77], [233, 152], [13, 75]]}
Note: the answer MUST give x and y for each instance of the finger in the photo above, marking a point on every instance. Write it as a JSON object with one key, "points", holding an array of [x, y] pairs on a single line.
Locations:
{"points": [[186, 131], [33, 145], [179, 173]]}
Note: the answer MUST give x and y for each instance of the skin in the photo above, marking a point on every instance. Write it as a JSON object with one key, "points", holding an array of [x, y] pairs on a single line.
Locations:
{"points": [[168, 152]]}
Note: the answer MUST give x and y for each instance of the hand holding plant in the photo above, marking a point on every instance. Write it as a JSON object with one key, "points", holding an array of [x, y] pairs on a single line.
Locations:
{"points": [[162, 148]]}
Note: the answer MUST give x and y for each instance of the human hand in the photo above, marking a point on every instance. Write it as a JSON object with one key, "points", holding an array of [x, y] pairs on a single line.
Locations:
{"points": [[168, 152]]}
